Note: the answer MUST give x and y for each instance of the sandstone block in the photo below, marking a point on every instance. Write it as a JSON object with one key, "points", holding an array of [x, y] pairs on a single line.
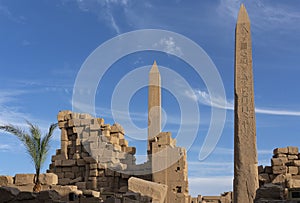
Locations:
{"points": [[293, 183], [65, 190], [80, 162], [93, 172], [91, 193], [279, 169], [293, 150], [293, 170], [76, 180], [69, 175], [93, 166], [264, 177], [68, 162], [64, 181], [48, 179], [5, 180], [90, 160], [281, 150], [296, 162], [279, 161], [292, 157], [23, 179], [156, 191], [81, 185]]}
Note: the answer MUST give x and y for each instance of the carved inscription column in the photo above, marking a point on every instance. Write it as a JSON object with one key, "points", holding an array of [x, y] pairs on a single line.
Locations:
{"points": [[245, 154]]}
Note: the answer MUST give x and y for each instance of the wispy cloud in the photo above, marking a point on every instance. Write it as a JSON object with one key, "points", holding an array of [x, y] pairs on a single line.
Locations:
{"points": [[264, 15], [169, 46], [204, 98], [6, 12], [105, 10]]}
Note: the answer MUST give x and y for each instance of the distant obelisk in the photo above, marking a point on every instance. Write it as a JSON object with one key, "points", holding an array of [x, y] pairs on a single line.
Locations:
{"points": [[245, 154], [154, 103]]}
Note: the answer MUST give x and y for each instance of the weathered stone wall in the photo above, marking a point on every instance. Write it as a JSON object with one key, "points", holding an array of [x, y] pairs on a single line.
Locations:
{"points": [[282, 176], [169, 167], [92, 154]]}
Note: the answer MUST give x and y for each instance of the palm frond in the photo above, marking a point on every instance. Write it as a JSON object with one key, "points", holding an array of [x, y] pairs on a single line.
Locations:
{"points": [[36, 146], [15, 130]]}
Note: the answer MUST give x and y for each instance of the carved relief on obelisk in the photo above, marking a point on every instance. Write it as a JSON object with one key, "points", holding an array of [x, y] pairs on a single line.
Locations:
{"points": [[154, 103], [245, 154]]}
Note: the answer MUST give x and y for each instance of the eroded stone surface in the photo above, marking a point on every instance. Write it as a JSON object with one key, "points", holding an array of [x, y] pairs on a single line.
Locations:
{"points": [[245, 155]]}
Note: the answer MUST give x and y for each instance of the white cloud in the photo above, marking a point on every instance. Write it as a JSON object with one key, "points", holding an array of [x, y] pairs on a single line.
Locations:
{"points": [[105, 10], [204, 98], [169, 46]]}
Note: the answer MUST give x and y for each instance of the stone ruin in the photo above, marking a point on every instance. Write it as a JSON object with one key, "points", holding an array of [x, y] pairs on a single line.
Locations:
{"points": [[96, 156], [281, 180]]}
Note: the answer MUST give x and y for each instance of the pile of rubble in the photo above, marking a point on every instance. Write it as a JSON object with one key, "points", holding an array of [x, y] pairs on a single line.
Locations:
{"points": [[280, 180]]}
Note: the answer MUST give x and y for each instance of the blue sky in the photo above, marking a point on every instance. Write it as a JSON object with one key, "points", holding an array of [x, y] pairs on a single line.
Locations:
{"points": [[44, 44]]}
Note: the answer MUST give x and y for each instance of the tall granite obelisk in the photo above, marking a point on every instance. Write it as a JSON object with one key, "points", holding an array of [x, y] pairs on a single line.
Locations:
{"points": [[154, 103], [245, 154]]}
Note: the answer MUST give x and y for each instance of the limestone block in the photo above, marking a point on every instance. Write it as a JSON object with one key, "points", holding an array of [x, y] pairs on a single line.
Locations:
{"points": [[23, 179], [293, 170], [7, 193], [5, 180], [48, 179], [68, 162], [156, 191], [293, 150], [279, 169], [281, 150], [279, 161]]}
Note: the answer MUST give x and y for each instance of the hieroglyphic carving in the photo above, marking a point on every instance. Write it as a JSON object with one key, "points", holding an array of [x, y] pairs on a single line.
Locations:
{"points": [[245, 155]]}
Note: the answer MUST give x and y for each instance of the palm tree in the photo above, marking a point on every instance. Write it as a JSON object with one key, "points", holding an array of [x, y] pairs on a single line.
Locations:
{"points": [[36, 145]]}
